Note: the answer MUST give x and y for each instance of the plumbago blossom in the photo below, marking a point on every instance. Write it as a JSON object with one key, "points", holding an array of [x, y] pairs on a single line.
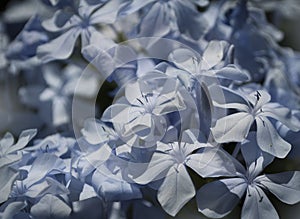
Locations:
{"points": [[169, 164], [164, 17], [253, 107], [215, 62], [10, 154], [81, 23], [141, 114], [224, 194], [132, 109]]}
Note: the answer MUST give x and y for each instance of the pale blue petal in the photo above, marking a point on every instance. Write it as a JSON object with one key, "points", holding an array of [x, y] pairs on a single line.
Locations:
{"points": [[269, 140], [285, 186], [44, 165], [156, 22], [50, 207], [176, 190], [107, 13], [257, 205], [59, 48], [227, 98], [113, 188], [233, 73], [134, 6], [213, 162], [218, 198], [213, 54], [12, 209], [234, 127], [256, 159], [24, 138], [157, 168], [8, 176], [282, 114]]}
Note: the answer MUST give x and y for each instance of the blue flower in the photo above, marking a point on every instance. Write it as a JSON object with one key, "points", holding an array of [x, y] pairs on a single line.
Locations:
{"points": [[215, 62], [140, 115], [54, 144], [10, 152], [169, 164], [218, 198], [81, 22], [163, 17], [25, 44], [252, 107], [39, 180]]}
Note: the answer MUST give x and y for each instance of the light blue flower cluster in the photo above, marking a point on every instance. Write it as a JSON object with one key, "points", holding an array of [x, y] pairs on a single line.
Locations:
{"points": [[140, 108]]}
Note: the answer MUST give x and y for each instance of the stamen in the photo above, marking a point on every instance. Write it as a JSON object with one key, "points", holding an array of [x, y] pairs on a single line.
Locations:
{"points": [[146, 98], [260, 196], [249, 195], [176, 170], [257, 95], [262, 121], [140, 101]]}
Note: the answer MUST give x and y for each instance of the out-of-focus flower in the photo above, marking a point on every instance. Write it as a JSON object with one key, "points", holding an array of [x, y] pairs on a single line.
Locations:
{"points": [[72, 25]]}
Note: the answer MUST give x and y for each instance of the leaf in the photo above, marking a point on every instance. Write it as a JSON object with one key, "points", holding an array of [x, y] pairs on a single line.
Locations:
{"points": [[176, 190]]}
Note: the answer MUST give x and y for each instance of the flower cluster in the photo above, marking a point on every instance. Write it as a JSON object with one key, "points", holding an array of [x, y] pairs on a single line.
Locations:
{"points": [[138, 108]]}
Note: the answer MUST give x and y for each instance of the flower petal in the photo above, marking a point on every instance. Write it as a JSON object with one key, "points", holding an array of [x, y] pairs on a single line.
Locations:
{"points": [[8, 176], [50, 207], [234, 127], [257, 205], [59, 48], [213, 162], [285, 186], [176, 190], [218, 198], [269, 140], [157, 168]]}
